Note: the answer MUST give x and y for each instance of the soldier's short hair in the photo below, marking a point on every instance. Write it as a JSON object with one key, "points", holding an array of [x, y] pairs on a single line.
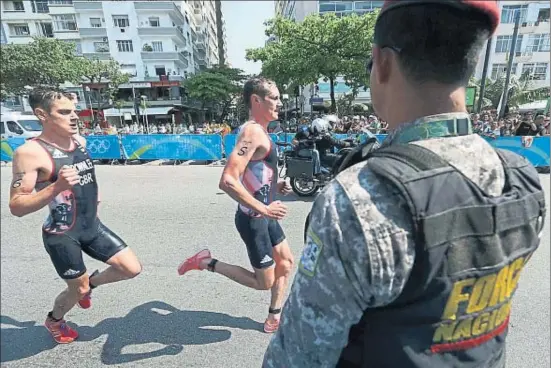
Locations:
{"points": [[256, 86], [434, 42], [45, 97]]}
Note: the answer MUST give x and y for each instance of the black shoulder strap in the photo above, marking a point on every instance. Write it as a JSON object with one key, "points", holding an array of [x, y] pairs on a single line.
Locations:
{"points": [[413, 155]]}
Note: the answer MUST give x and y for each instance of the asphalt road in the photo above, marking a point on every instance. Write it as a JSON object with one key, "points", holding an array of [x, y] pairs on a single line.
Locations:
{"points": [[162, 320]]}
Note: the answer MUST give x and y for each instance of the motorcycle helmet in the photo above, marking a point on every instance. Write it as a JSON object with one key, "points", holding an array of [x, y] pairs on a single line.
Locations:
{"points": [[320, 126], [332, 120]]}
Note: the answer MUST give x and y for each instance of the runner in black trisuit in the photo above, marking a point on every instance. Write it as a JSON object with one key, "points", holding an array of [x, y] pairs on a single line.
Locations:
{"points": [[58, 166], [250, 178]]}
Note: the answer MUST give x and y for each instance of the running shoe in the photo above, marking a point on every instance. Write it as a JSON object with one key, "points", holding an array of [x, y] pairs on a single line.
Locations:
{"points": [[86, 301], [60, 331], [271, 326], [194, 262]]}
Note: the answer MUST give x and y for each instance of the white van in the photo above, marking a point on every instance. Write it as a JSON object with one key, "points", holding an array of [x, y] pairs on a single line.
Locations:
{"points": [[18, 125]]}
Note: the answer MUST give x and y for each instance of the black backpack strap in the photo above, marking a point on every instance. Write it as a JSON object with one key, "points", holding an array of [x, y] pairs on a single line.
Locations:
{"points": [[413, 155], [357, 155]]}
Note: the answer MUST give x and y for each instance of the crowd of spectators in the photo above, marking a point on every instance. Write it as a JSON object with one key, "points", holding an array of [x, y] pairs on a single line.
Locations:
{"points": [[486, 123]]}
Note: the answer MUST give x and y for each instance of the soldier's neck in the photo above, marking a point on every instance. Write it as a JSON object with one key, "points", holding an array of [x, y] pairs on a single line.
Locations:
{"points": [[427, 101]]}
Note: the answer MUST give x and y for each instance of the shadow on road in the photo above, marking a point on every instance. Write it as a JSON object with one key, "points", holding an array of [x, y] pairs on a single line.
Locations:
{"points": [[152, 322]]}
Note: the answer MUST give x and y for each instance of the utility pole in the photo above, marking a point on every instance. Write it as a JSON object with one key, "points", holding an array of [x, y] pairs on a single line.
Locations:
{"points": [[484, 75], [505, 95]]}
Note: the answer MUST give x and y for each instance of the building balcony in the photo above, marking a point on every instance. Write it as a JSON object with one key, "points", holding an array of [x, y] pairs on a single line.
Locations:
{"points": [[162, 31], [163, 6], [97, 55], [87, 5], [172, 56], [93, 32]]}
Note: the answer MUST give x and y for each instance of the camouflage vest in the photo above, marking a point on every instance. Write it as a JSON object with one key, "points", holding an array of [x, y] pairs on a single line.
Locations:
{"points": [[470, 251]]}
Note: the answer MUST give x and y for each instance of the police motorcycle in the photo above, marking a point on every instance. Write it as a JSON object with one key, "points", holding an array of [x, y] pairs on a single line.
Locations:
{"points": [[299, 163]]}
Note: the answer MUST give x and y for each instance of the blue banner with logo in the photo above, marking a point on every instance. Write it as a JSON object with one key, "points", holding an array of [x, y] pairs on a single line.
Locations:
{"points": [[534, 149], [8, 147], [103, 147], [209, 147], [172, 147]]}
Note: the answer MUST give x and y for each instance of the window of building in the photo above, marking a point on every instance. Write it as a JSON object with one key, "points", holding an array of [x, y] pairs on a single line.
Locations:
{"points": [[18, 6], [60, 2], [543, 15], [121, 21], [154, 22], [101, 46], [95, 22], [40, 6], [65, 22], [537, 71], [46, 29], [19, 30], [538, 43], [508, 13], [160, 70], [344, 6], [501, 69], [157, 46], [503, 43], [125, 46], [329, 7]]}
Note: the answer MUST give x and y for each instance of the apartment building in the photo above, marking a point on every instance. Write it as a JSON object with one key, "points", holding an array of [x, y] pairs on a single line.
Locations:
{"points": [[159, 43], [531, 52]]}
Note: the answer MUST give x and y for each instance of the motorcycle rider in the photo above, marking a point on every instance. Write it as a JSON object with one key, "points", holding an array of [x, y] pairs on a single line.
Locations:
{"points": [[321, 130]]}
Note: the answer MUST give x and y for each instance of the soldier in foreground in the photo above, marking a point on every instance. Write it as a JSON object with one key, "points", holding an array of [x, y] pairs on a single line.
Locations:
{"points": [[413, 256]]}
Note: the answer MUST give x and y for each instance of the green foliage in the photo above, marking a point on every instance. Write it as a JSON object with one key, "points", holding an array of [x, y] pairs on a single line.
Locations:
{"points": [[45, 62], [322, 46], [98, 71], [521, 91], [217, 85]]}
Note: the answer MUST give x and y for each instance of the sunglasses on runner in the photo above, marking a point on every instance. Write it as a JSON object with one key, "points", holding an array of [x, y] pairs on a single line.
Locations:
{"points": [[369, 64]]}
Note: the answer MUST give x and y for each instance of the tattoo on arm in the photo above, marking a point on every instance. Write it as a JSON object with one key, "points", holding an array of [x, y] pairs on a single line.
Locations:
{"points": [[17, 179], [244, 148]]}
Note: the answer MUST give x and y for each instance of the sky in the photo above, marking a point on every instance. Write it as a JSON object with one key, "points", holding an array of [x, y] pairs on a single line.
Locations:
{"points": [[245, 30]]}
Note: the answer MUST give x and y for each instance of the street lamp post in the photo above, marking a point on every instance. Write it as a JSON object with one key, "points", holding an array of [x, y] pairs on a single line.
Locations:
{"points": [[87, 90], [144, 101], [285, 98]]}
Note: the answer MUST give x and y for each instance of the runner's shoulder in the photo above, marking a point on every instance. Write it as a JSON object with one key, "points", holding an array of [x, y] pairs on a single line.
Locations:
{"points": [[80, 139], [31, 156], [29, 150]]}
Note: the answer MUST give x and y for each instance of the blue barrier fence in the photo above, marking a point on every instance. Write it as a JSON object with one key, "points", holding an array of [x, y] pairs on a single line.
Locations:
{"points": [[212, 147]]}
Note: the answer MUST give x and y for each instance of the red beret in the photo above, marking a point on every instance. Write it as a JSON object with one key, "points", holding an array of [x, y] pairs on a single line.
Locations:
{"points": [[488, 7]]}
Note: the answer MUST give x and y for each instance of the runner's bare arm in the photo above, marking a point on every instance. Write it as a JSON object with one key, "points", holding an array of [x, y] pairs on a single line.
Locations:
{"points": [[243, 152], [25, 173]]}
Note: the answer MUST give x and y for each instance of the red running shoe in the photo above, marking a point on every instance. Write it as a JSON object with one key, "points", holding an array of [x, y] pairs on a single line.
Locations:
{"points": [[60, 330], [193, 262], [86, 301]]}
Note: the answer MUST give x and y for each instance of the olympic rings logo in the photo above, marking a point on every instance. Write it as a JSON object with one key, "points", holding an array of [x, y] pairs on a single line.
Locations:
{"points": [[98, 145]]}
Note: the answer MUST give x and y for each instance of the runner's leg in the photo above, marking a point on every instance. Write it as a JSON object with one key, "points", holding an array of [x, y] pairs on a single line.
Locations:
{"points": [[66, 255], [284, 266], [111, 249], [107, 247]]}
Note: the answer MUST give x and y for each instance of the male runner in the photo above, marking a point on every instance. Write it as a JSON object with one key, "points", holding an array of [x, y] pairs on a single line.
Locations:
{"points": [[250, 178], [58, 166]]}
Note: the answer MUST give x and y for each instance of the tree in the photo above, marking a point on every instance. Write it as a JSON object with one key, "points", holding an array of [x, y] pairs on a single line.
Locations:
{"points": [[219, 84], [521, 91], [45, 62], [97, 71], [322, 46]]}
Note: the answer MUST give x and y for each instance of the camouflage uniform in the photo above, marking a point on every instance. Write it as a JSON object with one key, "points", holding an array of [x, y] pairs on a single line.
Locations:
{"points": [[359, 252]]}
